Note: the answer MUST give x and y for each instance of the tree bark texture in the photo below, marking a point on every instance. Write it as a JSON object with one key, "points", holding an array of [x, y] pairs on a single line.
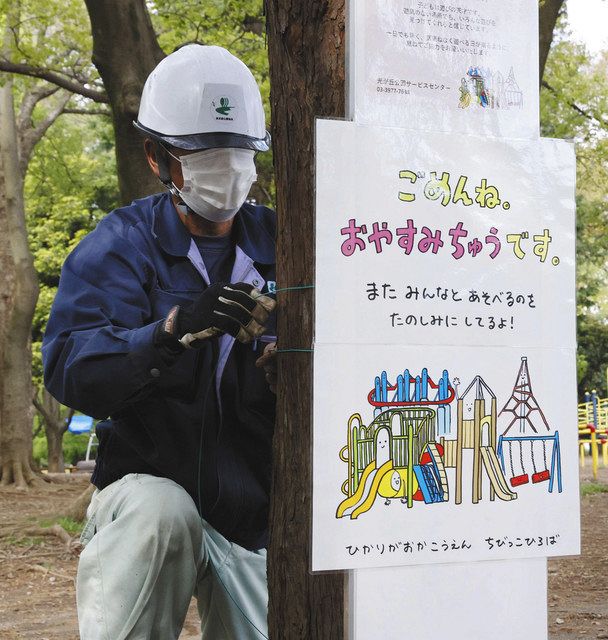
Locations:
{"points": [[78, 508], [306, 51], [55, 427], [548, 12], [19, 292], [125, 50]]}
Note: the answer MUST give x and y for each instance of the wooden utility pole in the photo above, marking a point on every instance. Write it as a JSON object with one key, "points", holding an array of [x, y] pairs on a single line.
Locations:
{"points": [[306, 51]]}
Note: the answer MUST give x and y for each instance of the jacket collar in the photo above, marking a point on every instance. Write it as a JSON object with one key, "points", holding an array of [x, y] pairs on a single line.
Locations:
{"points": [[168, 229], [252, 236]]}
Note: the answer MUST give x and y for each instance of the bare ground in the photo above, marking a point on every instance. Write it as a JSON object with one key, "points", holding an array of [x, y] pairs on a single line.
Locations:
{"points": [[37, 599]]}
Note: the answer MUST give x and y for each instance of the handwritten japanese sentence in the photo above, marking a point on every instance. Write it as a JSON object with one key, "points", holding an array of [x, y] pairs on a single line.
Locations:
{"points": [[461, 242], [385, 291], [476, 298], [421, 547]]}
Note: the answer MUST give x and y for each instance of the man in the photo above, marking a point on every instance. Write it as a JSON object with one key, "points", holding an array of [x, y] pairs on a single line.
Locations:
{"points": [[158, 322]]}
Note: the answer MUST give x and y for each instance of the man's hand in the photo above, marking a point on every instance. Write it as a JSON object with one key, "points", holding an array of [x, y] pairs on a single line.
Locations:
{"points": [[268, 362], [237, 309]]}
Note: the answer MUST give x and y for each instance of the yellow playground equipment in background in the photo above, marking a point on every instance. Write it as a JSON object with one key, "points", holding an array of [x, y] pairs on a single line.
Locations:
{"points": [[593, 429]]}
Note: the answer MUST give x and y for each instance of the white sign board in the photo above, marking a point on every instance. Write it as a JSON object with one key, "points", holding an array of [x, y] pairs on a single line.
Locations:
{"points": [[498, 600], [444, 371], [467, 66]]}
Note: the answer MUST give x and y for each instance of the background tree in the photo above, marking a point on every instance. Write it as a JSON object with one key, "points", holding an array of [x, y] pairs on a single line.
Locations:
{"points": [[125, 49], [574, 104], [548, 14], [66, 196], [55, 425], [124, 70], [39, 106], [19, 289]]}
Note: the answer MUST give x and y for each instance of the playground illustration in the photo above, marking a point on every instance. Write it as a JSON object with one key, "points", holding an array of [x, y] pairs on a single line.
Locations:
{"points": [[420, 429], [482, 87]]}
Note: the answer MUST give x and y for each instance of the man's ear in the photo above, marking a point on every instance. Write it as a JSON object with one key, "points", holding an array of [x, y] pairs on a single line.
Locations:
{"points": [[150, 149]]}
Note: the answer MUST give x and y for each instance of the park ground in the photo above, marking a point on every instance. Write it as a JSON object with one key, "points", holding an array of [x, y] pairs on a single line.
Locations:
{"points": [[37, 570]]}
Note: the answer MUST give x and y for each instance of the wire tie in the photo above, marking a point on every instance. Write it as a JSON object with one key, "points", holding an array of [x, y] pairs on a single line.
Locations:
{"points": [[296, 288]]}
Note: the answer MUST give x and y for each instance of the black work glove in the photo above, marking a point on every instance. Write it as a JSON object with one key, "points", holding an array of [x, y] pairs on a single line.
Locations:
{"points": [[237, 309]]}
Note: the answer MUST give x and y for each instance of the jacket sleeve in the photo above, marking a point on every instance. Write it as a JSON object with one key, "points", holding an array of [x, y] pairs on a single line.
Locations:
{"points": [[98, 350]]}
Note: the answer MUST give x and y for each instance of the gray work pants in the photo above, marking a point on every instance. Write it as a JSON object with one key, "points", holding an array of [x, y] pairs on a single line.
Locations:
{"points": [[147, 552]]}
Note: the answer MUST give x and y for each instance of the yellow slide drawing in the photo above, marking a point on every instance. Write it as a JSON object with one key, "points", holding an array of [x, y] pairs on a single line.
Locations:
{"points": [[353, 500], [363, 499], [366, 505], [497, 478]]}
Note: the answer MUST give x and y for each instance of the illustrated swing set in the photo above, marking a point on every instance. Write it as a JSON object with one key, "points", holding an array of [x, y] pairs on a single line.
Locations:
{"points": [[549, 472], [525, 411]]}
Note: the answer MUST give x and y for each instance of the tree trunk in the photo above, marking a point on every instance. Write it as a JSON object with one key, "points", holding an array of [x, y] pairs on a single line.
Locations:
{"points": [[19, 303], [54, 428], [125, 51], [548, 12], [54, 440], [306, 51], [78, 508]]}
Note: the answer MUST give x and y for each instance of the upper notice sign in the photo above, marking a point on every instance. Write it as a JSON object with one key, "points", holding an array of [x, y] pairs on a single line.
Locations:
{"points": [[468, 66]]}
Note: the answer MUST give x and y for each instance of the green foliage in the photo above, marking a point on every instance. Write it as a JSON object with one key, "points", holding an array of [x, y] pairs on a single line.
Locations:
{"points": [[24, 541], [74, 448], [73, 527], [71, 178], [70, 184], [53, 34], [574, 104], [593, 346], [593, 488]]}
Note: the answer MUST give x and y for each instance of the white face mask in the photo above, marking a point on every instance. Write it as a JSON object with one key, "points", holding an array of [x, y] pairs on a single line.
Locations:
{"points": [[217, 181]]}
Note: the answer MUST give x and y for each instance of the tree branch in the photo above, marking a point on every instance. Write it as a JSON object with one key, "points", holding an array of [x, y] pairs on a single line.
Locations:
{"points": [[31, 136], [55, 78], [47, 417], [30, 100], [89, 112], [586, 114]]}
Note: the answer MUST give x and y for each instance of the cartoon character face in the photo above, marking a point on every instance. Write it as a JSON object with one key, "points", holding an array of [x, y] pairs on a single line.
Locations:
{"points": [[468, 412], [383, 449], [395, 481], [391, 485]]}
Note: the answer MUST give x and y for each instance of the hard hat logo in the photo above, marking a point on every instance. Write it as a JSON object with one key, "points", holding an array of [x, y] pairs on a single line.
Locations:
{"points": [[224, 107]]}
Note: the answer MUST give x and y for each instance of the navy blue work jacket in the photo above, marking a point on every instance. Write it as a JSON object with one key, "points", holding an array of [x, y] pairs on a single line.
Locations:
{"points": [[203, 418]]}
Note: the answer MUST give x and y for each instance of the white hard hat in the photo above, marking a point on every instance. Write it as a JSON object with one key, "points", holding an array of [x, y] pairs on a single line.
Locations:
{"points": [[202, 97]]}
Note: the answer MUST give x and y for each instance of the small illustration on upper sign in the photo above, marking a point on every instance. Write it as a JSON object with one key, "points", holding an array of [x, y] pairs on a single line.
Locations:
{"points": [[414, 438], [483, 88]]}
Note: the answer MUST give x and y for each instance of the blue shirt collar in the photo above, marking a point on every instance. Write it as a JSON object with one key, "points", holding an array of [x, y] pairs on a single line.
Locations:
{"points": [[253, 230]]}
